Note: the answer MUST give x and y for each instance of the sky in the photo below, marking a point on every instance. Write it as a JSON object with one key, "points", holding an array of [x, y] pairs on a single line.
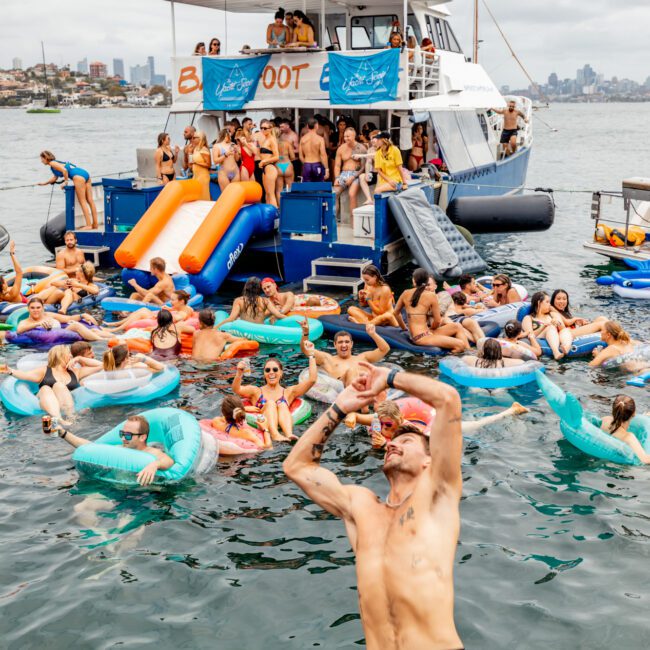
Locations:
{"points": [[547, 35]]}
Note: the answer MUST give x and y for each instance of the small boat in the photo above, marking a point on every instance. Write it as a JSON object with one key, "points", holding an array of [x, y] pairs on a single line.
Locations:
{"points": [[43, 106]]}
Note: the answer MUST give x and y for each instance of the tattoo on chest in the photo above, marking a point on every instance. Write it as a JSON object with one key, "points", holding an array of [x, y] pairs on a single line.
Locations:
{"points": [[409, 514]]}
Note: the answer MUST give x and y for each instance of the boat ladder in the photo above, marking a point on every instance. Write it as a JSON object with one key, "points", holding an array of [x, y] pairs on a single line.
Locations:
{"points": [[341, 272]]}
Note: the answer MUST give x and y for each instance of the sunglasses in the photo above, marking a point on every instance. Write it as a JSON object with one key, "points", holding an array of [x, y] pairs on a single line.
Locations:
{"points": [[266, 128], [276, 369], [386, 423], [498, 284], [128, 436]]}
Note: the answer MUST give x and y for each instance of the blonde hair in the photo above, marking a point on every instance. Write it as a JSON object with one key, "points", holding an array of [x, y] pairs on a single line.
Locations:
{"points": [[58, 356], [203, 140], [389, 409], [88, 270], [114, 357], [616, 330]]}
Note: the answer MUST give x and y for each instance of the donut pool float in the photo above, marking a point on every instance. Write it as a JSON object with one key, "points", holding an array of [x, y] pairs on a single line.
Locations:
{"points": [[326, 306]]}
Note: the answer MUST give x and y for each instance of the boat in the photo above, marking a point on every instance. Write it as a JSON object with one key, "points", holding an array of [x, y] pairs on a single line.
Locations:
{"points": [[43, 106], [312, 241], [618, 237]]}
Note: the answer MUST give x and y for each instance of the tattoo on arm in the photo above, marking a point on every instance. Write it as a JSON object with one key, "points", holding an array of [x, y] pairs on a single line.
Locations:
{"points": [[328, 429]]}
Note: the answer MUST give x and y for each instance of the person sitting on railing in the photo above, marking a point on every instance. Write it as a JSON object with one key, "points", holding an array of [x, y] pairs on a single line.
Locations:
{"points": [[389, 166], [419, 147], [277, 33], [511, 117], [303, 33]]}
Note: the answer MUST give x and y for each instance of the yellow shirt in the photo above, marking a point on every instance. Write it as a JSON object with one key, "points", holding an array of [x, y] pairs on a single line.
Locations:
{"points": [[389, 163]]}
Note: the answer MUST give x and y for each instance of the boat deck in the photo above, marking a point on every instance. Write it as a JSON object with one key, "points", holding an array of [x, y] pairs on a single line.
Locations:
{"points": [[641, 253]]}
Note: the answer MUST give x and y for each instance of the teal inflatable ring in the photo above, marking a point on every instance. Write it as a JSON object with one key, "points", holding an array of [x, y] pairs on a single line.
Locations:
{"points": [[287, 331]]}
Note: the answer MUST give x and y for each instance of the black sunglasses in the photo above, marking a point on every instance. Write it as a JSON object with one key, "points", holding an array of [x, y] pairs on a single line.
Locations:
{"points": [[498, 284], [276, 369], [128, 436]]}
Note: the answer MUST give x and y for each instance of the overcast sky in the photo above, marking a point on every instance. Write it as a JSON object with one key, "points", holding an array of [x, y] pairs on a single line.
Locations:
{"points": [[548, 36]]}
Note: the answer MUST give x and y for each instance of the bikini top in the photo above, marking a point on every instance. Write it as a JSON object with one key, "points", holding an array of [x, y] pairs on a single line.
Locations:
{"points": [[262, 400], [265, 150], [166, 157]]}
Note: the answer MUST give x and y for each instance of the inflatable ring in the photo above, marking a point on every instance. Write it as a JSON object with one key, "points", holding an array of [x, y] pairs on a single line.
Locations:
{"points": [[501, 314], [509, 350], [300, 410], [327, 306], [231, 445], [20, 396], [326, 389], [582, 429], [112, 382], [641, 353], [39, 337], [31, 361], [88, 301], [509, 377], [486, 281], [37, 278], [415, 411], [286, 331], [179, 433]]}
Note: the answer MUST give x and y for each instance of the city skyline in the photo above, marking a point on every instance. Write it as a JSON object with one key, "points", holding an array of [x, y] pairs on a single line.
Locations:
{"points": [[545, 38]]}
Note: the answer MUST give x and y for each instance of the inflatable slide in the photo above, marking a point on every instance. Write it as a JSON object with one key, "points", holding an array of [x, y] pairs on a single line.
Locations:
{"points": [[200, 238]]}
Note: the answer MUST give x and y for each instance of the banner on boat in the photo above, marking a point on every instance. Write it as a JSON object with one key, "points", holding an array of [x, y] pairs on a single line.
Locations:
{"points": [[228, 84], [364, 79]]}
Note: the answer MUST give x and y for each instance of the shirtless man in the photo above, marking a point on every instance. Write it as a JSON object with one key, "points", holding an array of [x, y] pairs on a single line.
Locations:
{"points": [[344, 365], [510, 127], [284, 300], [70, 258], [313, 155], [346, 169], [162, 291], [287, 134], [405, 545], [188, 149], [134, 436], [207, 342]]}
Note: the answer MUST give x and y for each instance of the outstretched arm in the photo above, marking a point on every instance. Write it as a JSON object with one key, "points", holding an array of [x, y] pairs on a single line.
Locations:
{"points": [[247, 392], [13, 295], [321, 357], [380, 351], [70, 438], [300, 389], [303, 467], [234, 314]]}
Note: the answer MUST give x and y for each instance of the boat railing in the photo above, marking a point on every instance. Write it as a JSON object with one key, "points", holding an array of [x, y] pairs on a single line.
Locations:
{"points": [[423, 73]]}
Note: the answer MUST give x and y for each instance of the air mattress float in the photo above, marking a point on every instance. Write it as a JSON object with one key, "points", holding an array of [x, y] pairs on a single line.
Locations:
{"points": [[582, 428], [194, 453]]}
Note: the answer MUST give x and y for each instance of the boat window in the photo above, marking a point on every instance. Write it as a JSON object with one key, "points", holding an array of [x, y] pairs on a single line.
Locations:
{"points": [[441, 34], [451, 38], [371, 31], [332, 23], [341, 37], [414, 28]]}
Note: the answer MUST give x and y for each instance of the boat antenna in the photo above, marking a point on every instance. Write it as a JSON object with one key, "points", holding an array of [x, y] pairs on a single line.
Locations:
{"points": [[475, 53], [516, 58], [47, 92]]}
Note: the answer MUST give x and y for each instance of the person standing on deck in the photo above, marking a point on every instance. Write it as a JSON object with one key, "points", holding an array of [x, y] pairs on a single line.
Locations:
{"points": [[510, 126], [313, 154], [188, 149], [405, 545]]}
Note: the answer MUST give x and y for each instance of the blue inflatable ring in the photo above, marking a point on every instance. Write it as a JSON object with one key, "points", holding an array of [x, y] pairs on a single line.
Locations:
{"points": [[461, 373], [20, 396], [178, 432], [582, 429]]}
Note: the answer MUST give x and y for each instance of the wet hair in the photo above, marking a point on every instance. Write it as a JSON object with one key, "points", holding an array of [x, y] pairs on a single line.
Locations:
{"points": [[512, 329], [165, 322], [536, 300], [79, 348], [206, 317], [623, 409], [279, 14], [409, 427], [464, 280], [421, 279], [157, 263], [616, 330], [341, 334], [143, 425], [374, 272], [490, 355], [48, 156], [57, 355], [459, 298], [274, 359], [183, 296], [35, 299], [70, 232], [389, 409], [232, 409], [566, 312], [161, 138], [115, 356], [312, 122], [88, 270], [251, 294]]}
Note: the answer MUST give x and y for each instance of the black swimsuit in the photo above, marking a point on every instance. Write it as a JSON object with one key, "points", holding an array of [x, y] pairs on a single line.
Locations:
{"points": [[166, 158], [49, 380]]}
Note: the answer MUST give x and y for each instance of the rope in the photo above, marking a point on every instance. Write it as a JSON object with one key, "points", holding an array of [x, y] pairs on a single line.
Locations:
{"points": [[49, 207], [20, 187]]}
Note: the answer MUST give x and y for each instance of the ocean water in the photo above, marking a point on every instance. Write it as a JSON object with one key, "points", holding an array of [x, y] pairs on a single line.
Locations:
{"points": [[553, 545]]}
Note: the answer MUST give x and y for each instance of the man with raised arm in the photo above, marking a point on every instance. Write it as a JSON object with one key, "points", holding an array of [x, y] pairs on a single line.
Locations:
{"points": [[404, 545], [511, 117], [344, 365]]}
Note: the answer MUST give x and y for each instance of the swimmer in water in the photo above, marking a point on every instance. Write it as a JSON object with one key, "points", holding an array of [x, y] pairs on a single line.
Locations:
{"points": [[616, 424]]}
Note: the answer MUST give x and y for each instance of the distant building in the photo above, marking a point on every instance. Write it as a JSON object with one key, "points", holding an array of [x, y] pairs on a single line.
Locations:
{"points": [[152, 67], [118, 68], [140, 75], [98, 70], [553, 80], [17, 63], [158, 80], [82, 66]]}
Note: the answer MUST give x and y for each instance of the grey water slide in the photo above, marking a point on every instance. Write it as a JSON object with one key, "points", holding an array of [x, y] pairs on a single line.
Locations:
{"points": [[434, 241]]}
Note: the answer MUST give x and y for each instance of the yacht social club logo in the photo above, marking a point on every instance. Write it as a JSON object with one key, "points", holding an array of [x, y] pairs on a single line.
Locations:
{"points": [[363, 79], [229, 83]]}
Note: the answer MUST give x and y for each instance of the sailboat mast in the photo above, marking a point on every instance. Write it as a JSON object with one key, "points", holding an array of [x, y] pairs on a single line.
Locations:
{"points": [[47, 91], [475, 53]]}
